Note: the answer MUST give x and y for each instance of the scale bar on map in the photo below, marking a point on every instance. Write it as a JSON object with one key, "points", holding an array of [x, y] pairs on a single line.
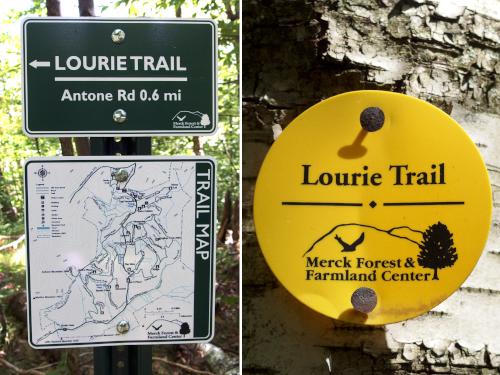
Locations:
{"points": [[120, 79]]}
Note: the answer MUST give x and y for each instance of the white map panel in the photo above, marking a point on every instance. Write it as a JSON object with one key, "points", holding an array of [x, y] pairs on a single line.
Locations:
{"points": [[115, 239]]}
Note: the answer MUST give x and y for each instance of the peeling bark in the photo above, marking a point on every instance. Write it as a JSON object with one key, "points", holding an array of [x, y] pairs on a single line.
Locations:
{"points": [[299, 52]]}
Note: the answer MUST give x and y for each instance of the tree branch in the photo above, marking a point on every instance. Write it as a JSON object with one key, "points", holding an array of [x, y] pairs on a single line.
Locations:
{"points": [[18, 370], [13, 244], [4, 238], [229, 11], [43, 367]]}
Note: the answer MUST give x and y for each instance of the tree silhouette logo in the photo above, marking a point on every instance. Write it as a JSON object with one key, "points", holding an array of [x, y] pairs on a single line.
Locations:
{"points": [[184, 329], [437, 249]]}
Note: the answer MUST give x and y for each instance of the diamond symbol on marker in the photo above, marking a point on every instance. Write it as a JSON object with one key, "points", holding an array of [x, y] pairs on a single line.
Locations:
{"points": [[373, 204]]}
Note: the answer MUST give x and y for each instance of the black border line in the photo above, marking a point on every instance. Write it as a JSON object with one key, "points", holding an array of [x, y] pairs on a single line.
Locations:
{"points": [[289, 203], [444, 203]]}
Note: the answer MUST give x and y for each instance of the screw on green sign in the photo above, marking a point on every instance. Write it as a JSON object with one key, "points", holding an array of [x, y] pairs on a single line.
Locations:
{"points": [[109, 77]]}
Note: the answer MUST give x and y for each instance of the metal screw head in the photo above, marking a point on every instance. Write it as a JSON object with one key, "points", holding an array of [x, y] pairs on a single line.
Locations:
{"points": [[119, 116], [123, 326], [121, 175], [117, 36], [364, 300], [372, 119]]}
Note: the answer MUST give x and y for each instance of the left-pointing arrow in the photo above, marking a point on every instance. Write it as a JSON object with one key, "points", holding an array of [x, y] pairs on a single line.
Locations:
{"points": [[42, 64]]}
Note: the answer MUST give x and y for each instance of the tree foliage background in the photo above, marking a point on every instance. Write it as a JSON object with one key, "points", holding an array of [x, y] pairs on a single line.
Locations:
{"points": [[221, 357]]}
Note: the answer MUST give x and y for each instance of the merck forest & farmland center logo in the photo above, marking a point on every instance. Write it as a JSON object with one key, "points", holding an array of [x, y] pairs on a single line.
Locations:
{"points": [[424, 251], [432, 249]]}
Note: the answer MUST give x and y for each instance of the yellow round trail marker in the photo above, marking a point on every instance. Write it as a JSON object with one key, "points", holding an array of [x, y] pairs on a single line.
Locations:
{"points": [[372, 207]]}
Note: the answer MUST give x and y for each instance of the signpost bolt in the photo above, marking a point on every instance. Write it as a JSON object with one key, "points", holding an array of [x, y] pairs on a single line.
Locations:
{"points": [[121, 175], [123, 326], [364, 300], [117, 36], [119, 116], [372, 119]]}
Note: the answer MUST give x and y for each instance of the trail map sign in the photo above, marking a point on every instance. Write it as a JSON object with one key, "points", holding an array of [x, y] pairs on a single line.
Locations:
{"points": [[109, 77], [372, 226], [120, 251]]}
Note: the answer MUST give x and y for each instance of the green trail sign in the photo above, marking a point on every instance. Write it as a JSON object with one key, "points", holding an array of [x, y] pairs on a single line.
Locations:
{"points": [[119, 77], [121, 251]]}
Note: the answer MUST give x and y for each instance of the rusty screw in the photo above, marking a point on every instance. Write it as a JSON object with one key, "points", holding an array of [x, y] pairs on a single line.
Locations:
{"points": [[364, 300], [372, 119]]}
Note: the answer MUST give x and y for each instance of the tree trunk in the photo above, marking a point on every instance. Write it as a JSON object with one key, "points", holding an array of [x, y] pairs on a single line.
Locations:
{"points": [[299, 52], [225, 221], [435, 277], [82, 146], [53, 8], [67, 149], [86, 8], [197, 146], [235, 224], [7, 208], [67, 146]]}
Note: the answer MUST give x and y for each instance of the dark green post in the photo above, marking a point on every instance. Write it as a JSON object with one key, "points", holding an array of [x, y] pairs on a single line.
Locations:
{"points": [[131, 359]]}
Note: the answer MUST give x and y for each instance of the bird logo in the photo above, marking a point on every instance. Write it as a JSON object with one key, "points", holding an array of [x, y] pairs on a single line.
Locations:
{"points": [[350, 247]]}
